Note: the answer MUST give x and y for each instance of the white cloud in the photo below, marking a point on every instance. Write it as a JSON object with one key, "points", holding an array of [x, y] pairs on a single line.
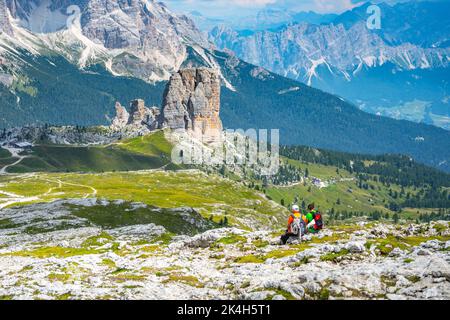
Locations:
{"points": [[252, 3]]}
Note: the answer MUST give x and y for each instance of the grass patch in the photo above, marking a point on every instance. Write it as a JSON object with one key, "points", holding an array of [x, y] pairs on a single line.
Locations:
{"points": [[64, 296], [37, 229], [59, 252], [164, 239], [440, 227], [232, 239], [413, 278], [8, 224], [109, 263], [245, 284], [62, 277], [154, 144], [333, 256], [188, 280], [151, 248], [260, 243], [387, 245], [97, 241], [250, 259], [324, 294], [277, 254], [286, 294]]}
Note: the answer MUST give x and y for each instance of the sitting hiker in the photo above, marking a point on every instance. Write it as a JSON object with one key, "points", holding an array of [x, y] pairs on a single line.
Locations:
{"points": [[314, 219], [296, 225]]}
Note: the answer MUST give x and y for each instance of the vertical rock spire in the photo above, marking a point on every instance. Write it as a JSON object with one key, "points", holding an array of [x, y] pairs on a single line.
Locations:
{"points": [[192, 102]]}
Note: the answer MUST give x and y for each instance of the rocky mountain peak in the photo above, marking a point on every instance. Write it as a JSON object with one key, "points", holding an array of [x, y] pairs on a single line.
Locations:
{"points": [[132, 37], [192, 102]]}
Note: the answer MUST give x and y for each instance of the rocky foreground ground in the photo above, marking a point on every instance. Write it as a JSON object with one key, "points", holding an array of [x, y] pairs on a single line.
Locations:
{"points": [[48, 251]]}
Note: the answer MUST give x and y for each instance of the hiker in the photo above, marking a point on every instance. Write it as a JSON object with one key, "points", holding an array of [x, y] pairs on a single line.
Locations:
{"points": [[314, 220], [296, 224]]}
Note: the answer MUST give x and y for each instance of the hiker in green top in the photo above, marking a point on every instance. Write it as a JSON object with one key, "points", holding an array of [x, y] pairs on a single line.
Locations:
{"points": [[314, 219]]}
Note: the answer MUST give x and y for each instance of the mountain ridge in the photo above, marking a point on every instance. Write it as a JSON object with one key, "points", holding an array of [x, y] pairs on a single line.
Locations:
{"points": [[41, 80], [336, 56]]}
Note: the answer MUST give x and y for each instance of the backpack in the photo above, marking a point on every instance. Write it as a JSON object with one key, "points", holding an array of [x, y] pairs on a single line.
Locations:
{"points": [[296, 225], [317, 216]]}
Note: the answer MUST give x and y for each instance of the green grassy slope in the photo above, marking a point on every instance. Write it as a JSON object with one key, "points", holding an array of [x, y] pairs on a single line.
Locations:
{"points": [[5, 158], [149, 152], [219, 197], [151, 145], [4, 153], [210, 194]]}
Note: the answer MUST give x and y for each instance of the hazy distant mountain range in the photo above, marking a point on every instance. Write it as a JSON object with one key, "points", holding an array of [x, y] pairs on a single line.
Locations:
{"points": [[400, 70]]}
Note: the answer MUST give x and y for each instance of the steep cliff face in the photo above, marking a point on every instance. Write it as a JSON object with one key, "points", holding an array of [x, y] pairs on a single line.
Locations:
{"points": [[5, 25], [192, 102]]}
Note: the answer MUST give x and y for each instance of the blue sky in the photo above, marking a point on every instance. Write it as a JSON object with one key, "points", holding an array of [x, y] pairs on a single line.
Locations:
{"points": [[241, 8]]}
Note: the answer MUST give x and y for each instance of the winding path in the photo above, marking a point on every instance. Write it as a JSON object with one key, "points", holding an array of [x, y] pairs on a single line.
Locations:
{"points": [[60, 183], [13, 198], [14, 154]]}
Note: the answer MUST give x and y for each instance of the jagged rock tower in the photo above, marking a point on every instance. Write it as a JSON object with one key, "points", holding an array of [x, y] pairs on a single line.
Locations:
{"points": [[140, 118], [192, 102]]}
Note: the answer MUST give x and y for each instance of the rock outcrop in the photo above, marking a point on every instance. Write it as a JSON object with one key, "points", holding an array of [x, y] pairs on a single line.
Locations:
{"points": [[122, 116], [192, 102], [141, 115], [139, 119]]}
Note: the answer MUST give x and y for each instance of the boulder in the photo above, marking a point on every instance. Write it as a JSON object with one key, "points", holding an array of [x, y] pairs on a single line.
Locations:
{"points": [[355, 246], [432, 244], [396, 252]]}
